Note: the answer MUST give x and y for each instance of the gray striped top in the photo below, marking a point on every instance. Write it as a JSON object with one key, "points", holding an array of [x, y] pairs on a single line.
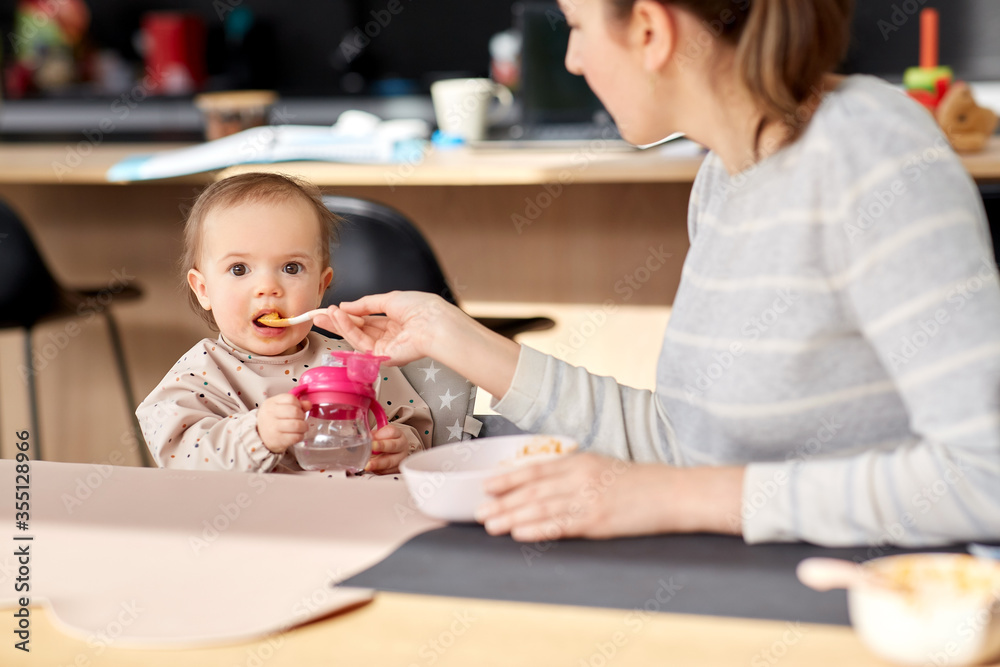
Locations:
{"points": [[837, 328]]}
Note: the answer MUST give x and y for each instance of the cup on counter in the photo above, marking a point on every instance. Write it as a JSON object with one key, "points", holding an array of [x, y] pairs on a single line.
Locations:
{"points": [[462, 106], [173, 45], [229, 112]]}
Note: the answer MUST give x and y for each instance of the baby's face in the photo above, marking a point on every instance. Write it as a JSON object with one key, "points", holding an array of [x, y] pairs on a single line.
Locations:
{"points": [[261, 258]]}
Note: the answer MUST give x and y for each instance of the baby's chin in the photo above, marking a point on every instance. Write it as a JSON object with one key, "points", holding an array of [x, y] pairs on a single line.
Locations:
{"points": [[265, 347], [289, 342]]}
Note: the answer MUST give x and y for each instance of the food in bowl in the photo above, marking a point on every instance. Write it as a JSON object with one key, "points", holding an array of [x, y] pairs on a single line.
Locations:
{"points": [[446, 482], [540, 448]]}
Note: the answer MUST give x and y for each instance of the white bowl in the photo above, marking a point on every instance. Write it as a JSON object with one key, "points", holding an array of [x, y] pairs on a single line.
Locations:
{"points": [[446, 482], [929, 609]]}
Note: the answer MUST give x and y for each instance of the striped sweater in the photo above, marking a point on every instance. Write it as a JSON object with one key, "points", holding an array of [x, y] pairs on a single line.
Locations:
{"points": [[837, 330]]}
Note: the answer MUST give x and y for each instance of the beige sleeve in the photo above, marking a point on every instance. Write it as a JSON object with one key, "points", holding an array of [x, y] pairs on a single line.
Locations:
{"points": [[404, 407], [198, 427]]}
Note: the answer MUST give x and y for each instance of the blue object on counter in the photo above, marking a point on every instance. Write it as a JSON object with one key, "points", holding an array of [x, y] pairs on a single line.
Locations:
{"points": [[444, 141], [394, 87]]}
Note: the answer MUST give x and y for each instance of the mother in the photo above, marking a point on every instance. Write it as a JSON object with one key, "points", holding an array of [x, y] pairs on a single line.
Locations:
{"points": [[839, 292]]}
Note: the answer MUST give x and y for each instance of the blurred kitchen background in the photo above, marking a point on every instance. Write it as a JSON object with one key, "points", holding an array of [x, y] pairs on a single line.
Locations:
{"points": [[60, 57]]}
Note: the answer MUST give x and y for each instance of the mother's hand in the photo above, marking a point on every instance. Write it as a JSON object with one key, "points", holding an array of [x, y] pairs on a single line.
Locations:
{"points": [[582, 495], [586, 495], [406, 333]]}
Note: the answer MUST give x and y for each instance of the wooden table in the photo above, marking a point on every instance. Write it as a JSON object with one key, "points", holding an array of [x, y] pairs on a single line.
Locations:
{"points": [[408, 630]]}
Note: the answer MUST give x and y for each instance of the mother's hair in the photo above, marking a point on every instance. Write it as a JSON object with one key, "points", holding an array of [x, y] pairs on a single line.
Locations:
{"points": [[783, 48]]}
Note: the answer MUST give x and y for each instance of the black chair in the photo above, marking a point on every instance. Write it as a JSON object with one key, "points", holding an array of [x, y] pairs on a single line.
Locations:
{"points": [[30, 294], [990, 193], [380, 250]]}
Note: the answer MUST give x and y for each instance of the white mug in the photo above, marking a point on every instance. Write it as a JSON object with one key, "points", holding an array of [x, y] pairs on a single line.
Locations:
{"points": [[462, 105]]}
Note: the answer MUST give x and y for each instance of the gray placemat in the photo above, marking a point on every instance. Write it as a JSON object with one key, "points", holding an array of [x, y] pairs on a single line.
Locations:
{"points": [[688, 574]]}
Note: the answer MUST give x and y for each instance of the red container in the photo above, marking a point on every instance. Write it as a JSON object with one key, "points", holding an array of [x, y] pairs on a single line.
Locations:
{"points": [[174, 49]]}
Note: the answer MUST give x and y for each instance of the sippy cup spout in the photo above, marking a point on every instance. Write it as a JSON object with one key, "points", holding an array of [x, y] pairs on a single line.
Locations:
{"points": [[361, 366]]}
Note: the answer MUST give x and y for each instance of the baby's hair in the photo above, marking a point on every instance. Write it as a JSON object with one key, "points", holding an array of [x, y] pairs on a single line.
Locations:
{"points": [[783, 47], [257, 187]]}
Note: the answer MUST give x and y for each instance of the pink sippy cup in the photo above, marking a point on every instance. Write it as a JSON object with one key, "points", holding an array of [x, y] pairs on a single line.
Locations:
{"points": [[341, 394]]}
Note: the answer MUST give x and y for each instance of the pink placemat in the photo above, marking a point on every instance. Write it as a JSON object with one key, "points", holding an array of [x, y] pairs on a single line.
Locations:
{"points": [[167, 558]]}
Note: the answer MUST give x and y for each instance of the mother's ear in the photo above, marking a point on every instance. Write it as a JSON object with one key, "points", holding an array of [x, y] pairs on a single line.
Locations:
{"points": [[197, 283], [653, 30]]}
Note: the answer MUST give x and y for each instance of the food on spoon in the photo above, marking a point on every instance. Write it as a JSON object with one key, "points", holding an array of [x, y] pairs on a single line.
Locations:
{"points": [[271, 319]]}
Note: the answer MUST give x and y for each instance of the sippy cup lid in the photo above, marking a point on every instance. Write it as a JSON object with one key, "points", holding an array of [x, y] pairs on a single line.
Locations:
{"points": [[342, 373], [347, 378]]}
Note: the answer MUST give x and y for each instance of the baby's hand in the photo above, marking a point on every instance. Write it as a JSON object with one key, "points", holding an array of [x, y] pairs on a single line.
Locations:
{"points": [[389, 447], [281, 422]]}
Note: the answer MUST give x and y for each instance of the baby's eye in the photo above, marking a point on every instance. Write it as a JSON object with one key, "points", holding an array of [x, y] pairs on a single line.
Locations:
{"points": [[238, 269], [293, 268]]}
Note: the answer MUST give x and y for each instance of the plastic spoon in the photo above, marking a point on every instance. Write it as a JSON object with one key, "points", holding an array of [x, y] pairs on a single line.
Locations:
{"points": [[272, 319], [823, 574]]}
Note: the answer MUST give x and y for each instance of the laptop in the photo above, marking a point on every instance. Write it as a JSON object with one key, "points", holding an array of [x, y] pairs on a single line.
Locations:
{"points": [[557, 108]]}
